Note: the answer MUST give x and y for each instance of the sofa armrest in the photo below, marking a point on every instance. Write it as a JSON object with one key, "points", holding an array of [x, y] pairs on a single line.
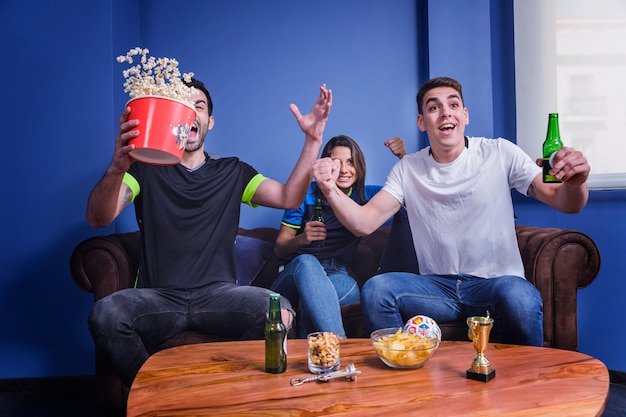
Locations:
{"points": [[105, 264], [558, 262]]}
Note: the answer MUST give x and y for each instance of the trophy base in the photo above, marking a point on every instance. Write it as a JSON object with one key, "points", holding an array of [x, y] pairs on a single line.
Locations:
{"points": [[477, 376]]}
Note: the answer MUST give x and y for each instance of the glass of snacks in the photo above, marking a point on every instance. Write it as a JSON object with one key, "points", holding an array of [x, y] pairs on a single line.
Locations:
{"points": [[403, 350], [323, 352]]}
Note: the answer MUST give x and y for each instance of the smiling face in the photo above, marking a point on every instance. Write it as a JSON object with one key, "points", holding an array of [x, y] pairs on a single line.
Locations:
{"points": [[201, 125], [352, 170], [444, 118], [347, 171]]}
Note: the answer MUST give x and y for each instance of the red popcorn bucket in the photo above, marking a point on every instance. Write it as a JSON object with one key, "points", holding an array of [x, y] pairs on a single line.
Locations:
{"points": [[164, 125]]}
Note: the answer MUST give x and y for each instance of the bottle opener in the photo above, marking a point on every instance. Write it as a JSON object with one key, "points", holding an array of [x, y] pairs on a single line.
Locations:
{"points": [[349, 373]]}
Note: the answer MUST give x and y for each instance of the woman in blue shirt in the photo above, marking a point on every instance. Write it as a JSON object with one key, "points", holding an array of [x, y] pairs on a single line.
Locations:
{"points": [[315, 278]]}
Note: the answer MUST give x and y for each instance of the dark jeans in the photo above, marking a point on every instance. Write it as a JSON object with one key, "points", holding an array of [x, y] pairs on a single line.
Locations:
{"points": [[125, 322]]}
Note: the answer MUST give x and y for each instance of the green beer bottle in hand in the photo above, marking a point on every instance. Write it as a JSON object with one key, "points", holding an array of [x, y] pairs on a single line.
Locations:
{"points": [[550, 147], [317, 217]]}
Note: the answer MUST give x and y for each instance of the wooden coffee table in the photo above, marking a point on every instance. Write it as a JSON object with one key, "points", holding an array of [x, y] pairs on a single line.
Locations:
{"points": [[227, 379]]}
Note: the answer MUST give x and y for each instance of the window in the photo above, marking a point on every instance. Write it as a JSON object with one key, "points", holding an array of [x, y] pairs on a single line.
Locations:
{"points": [[571, 59]]}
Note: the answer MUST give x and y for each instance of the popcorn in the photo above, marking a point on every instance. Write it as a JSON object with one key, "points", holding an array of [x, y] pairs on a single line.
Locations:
{"points": [[155, 77]]}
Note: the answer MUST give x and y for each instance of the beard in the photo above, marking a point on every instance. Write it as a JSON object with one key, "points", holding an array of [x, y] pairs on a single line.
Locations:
{"points": [[192, 147]]}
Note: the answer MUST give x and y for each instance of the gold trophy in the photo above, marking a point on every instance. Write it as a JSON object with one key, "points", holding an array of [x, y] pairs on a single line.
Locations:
{"points": [[479, 329]]}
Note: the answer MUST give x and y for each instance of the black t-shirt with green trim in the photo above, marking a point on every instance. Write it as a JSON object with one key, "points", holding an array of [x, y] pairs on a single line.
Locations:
{"points": [[189, 220]]}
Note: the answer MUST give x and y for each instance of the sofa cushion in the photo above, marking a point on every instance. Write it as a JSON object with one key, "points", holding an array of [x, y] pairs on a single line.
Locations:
{"points": [[399, 252], [251, 255]]}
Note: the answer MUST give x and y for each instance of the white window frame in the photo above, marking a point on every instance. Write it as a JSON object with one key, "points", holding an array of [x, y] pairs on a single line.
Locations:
{"points": [[536, 82]]}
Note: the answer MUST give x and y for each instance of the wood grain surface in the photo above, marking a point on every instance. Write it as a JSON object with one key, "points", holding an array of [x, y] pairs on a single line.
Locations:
{"points": [[228, 379]]}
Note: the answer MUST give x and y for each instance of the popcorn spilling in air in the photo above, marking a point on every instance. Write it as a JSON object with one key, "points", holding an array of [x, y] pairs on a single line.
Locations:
{"points": [[154, 76]]}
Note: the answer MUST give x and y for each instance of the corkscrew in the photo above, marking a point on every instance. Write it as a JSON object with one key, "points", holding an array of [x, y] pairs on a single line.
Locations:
{"points": [[349, 373]]}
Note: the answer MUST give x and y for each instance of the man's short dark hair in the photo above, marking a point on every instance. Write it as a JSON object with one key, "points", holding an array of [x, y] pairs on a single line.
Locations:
{"points": [[434, 83], [200, 86]]}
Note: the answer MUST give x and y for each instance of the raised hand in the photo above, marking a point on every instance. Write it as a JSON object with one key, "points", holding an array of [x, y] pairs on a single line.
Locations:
{"points": [[121, 160], [571, 166], [313, 123], [396, 146], [326, 172]]}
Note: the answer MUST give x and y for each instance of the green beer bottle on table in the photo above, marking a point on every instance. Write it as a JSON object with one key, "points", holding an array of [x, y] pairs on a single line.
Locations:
{"points": [[550, 147], [275, 339]]}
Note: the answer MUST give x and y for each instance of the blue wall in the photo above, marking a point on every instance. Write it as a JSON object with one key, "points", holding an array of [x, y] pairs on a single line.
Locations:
{"points": [[64, 95], [57, 122]]}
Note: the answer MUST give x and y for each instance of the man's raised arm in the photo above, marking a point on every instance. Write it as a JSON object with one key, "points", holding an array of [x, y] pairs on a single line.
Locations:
{"points": [[291, 194], [360, 220], [571, 196], [109, 197]]}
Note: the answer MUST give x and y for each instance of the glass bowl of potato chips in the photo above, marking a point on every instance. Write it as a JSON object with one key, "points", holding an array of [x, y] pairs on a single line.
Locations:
{"points": [[403, 350]]}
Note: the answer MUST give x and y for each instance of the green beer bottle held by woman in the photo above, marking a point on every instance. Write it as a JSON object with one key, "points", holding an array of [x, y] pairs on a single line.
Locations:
{"points": [[550, 146], [318, 217], [275, 339]]}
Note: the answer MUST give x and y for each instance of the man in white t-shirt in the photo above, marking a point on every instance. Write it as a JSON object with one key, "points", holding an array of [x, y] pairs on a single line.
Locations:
{"points": [[457, 196]]}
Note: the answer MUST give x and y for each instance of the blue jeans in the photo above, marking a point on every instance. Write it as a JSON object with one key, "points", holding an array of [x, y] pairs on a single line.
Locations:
{"points": [[318, 289], [128, 324], [388, 300]]}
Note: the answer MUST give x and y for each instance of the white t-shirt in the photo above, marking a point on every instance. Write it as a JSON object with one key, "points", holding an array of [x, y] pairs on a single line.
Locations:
{"points": [[461, 213]]}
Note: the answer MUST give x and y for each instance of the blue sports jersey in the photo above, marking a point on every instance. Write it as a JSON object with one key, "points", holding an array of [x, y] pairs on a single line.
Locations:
{"points": [[340, 243]]}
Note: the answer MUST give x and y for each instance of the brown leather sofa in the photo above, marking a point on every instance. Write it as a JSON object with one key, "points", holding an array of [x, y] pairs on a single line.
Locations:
{"points": [[558, 262]]}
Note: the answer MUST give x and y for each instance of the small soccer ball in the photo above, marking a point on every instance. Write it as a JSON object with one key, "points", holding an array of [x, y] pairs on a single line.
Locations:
{"points": [[423, 326]]}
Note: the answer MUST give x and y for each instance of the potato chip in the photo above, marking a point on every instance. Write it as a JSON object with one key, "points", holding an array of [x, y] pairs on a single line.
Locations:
{"points": [[402, 349]]}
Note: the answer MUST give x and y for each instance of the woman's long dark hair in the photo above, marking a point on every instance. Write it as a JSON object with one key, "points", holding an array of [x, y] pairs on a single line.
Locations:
{"points": [[358, 160]]}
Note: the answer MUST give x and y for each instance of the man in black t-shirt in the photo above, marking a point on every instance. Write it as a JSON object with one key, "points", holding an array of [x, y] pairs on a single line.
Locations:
{"points": [[188, 215]]}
